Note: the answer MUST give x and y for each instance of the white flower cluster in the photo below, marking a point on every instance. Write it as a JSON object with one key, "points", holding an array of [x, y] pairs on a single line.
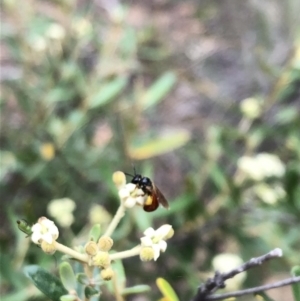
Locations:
{"points": [[129, 194], [44, 230], [62, 211], [261, 166], [156, 240]]}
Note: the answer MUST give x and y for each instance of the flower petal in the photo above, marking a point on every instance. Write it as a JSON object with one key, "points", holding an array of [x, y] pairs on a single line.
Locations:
{"points": [[162, 245], [150, 232], [123, 193], [140, 200], [47, 237], [156, 251], [130, 187], [146, 241], [36, 228], [35, 237], [130, 202], [163, 231]]}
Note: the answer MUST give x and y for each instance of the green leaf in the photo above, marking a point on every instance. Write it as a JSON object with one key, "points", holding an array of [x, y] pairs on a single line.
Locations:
{"points": [[143, 219], [166, 290], [107, 92], [158, 90], [118, 268], [218, 176], [24, 294], [47, 283], [67, 276], [160, 145], [95, 232], [287, 115], [296, 286], [89, 291], [59, 94], [82, 278], [137, 289], [8, 164], [180, 204], [68, 298]]}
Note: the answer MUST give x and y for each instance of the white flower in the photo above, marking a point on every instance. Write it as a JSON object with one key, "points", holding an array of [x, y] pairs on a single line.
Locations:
{"points": [[82, 27], [99, 215], [155, 239], [130, 195], [269, 194], [251, 107], [261, 166], [62, 211], [224, 263], [56, 31], [44, 230], [38, 43]]}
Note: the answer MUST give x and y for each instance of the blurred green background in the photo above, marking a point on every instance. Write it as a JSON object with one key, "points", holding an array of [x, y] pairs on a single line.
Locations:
{"points": [[187, 91]]}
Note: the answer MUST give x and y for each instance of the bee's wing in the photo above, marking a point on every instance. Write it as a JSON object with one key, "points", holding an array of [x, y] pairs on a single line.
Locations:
{"points": [[160, 197]]}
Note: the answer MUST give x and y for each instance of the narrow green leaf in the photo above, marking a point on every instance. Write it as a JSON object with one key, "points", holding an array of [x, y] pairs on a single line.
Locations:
{"points": [[166, 289], [47, 283], [118, 268], [137, 289], [67, 276], [296, 286], [107, 92], [158, 90], [95, 232], [218, 176], [160, 145], [143, 219], [59, 94]]}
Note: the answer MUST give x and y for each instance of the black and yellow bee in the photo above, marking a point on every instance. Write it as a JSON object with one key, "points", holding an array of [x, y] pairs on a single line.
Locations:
{"points": [[155, 197]]}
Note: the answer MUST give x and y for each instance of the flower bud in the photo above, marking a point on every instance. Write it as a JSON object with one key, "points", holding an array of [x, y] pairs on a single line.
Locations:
{"points": [[105, 243], [107, 274], [91, 248], [101, 259], [48, 248], [146, 254], [170, 234], [119, 179]]}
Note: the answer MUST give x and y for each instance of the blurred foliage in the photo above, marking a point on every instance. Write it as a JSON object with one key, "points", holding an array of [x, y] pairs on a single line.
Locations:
{"points": [[90, 87]]}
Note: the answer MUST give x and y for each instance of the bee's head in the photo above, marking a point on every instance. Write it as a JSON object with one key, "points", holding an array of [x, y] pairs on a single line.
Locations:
{"points": [[137, 179]]}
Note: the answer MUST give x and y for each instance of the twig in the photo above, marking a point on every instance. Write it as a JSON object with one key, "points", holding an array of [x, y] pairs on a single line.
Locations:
{"points": [[120, 213], [254, 289], [218, 281]]}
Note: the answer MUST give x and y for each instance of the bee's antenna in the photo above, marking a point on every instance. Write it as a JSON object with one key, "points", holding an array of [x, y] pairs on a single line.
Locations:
{"points": [[128, 174], [134, 172], [134, 169]]}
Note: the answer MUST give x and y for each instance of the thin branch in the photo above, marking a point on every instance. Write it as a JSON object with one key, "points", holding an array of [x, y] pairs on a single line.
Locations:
{"points": [[253, 262], [218, 281], [119, 214], [254, 289]]}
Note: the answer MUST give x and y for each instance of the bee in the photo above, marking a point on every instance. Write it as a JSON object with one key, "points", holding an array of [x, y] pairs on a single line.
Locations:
{"points": [[155, 197]]}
